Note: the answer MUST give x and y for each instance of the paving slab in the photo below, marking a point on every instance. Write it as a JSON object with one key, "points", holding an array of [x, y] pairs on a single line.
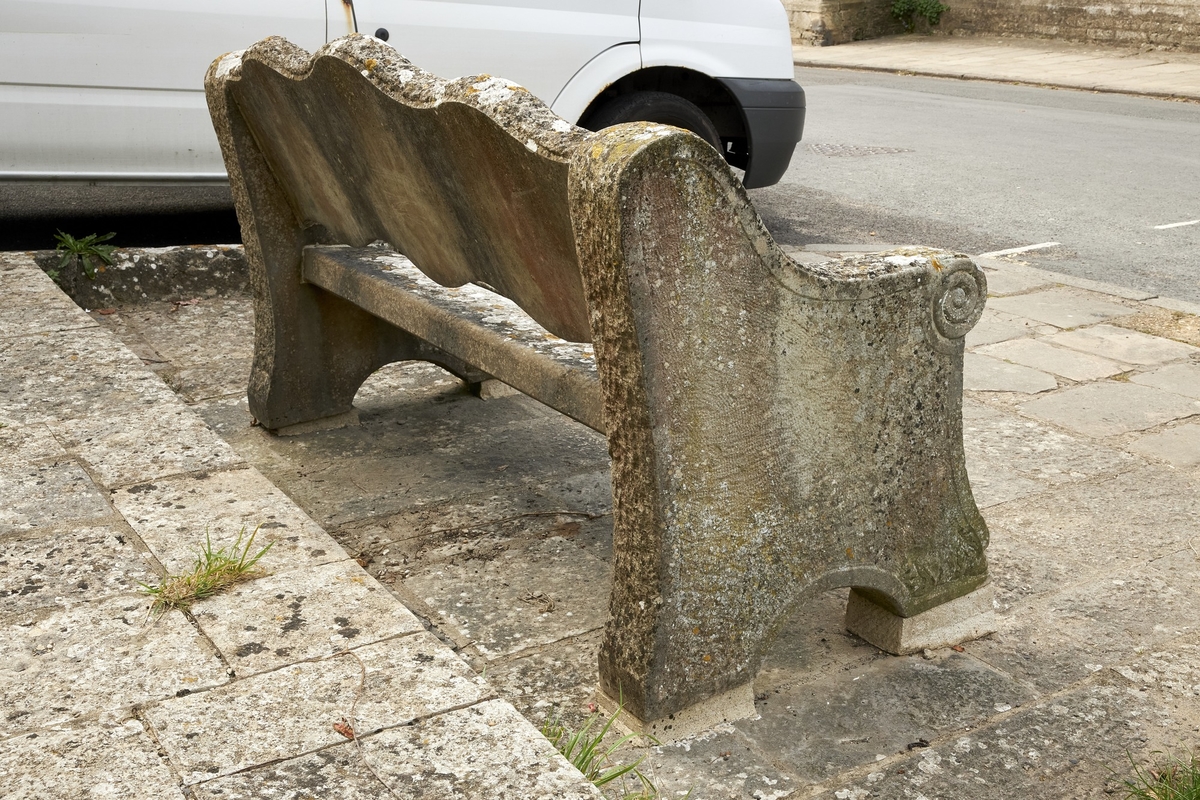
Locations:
{"points": [[984, 374], [719, 764], [196, 330], [1016, 280], [861, 714], [1171, 672], [118, 762], [1179, 446], [503, 608], [1061, 361], [1061, 307], [292, 711], [47, 495], [553, 682], [811, 644], [60, 376], [1128, 612], [44, 568], [486, 750], [1110, 408], [1086, 530], [1060, 640], [1010, 456], [133, 445], [59, 665], [22, 445], [1037, 656], [1177, 306], [578, 507], [1181, 379], [201, 347], [293, 614], [1066, 746], [1125, 345], [998, 326], [176, 516], [35, 305], [425, 453]]}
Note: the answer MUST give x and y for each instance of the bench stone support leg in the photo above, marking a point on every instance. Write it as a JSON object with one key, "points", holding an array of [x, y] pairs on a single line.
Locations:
{"points": [[312, 349], [774, 431]]}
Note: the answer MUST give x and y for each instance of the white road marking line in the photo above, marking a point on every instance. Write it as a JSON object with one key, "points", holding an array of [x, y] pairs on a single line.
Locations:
{"points": [[1014, 250], [1177, 224]]}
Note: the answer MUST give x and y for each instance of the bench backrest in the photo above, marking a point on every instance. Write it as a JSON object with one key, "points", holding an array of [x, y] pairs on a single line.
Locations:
{"points": [[420, 163]]}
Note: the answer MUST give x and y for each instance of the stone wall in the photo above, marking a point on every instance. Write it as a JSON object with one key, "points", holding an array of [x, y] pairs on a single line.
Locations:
{"points": [[1162, 24], [825, 22]]}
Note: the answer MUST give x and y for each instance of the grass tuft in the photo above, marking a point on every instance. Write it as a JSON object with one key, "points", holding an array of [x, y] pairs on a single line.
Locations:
{"points": [[1176, 778], [584, 749], [213, 572]]}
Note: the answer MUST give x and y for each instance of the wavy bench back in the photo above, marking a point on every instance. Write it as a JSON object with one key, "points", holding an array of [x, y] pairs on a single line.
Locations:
{"points": [[468, 178]]}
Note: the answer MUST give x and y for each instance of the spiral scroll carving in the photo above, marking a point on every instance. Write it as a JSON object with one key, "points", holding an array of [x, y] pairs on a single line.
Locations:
{"points": [[958, 300]]}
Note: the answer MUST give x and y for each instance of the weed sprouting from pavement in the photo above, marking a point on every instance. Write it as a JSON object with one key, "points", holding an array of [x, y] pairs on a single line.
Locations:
{"points": [[1174, 778], [584, 749], [214, 571], [87, 250]]}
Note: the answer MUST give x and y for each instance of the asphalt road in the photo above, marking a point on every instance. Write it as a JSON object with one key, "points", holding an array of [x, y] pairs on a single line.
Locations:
{"points": [[140, 215], [978, 167], [969, 166]]}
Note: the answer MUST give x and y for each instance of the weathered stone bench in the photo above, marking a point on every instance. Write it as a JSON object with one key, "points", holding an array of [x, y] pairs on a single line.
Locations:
{"points": [[775, 429]]}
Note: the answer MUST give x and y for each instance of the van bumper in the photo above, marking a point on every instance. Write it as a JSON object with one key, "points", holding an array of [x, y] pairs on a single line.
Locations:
{"points": [[773, 110]]}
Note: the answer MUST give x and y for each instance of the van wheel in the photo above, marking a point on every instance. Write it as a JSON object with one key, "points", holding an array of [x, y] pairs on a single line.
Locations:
{"points": [[661, 107]]}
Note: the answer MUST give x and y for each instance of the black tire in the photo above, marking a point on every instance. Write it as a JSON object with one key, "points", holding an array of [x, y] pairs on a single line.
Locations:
{"points": [[661, 107]]}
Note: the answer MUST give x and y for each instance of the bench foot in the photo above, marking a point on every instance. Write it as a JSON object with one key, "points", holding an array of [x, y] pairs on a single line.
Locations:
{"points": [[953, 622], [348, 419], [728, 706]]}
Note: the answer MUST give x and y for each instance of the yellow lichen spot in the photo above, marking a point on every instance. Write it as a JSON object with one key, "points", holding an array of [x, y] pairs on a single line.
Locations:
{"points": [[371, 63], [707, 659], [695, 631], [849, 552]]}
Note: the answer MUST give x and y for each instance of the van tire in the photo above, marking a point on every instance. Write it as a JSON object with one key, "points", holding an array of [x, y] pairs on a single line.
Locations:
{"points": [[661, 107]]}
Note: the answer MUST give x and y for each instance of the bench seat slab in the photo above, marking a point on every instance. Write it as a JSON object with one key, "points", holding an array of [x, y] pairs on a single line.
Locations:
{"points": [[481, 328]]}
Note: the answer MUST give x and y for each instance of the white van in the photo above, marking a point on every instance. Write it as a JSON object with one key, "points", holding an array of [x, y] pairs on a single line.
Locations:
{"points": [[96, 90]]}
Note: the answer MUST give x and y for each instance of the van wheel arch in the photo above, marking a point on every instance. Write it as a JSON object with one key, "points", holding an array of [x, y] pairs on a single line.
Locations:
{"points": [[704, 92]]}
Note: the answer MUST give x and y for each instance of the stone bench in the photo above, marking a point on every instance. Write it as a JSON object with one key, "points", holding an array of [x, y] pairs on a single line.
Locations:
{"points": [[775, 429]]}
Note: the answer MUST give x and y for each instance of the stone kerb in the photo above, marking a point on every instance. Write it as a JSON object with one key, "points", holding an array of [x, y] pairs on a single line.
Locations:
{"points": [[774, 428]]}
